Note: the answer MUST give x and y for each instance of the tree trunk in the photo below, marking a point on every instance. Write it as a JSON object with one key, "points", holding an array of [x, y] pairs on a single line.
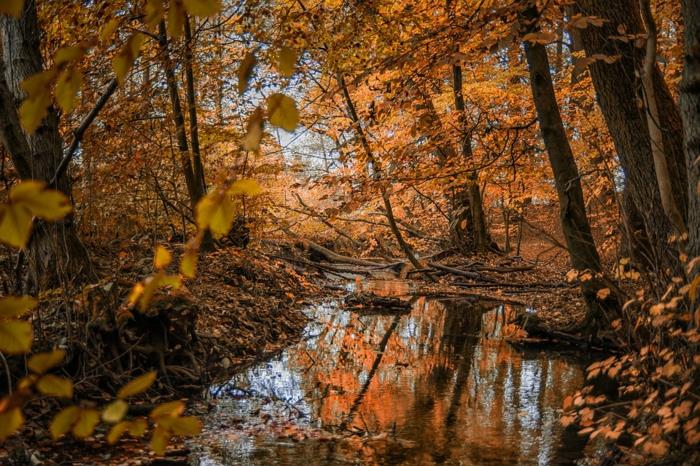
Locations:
{"points": [[194, 188], [658, 152], [616, 89], [478, 225], [389, 211], [690, 110], [574, 221], [192, 109], [56, 255]]}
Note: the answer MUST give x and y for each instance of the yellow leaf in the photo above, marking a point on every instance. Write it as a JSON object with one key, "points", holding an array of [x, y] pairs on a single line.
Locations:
{"points": [[108, 29], [246, 186], [159, 440], [176, 19], [33, 111], [215, 212], [692, 290], [162, 257], [603, 293], [171, 408], [136, 293], [126, 57], [138, 385], [52, 385], [153, 283], [282, 112], [245, 71], [543, 38], [154, 12], [38, 83], [48, 204], [188, 264], [42, 362], [10, 421], [15, 336], [254, 131], [63, 421], [67, 87], [12, 8], [15, 306], [15, 225], [137, 427], [116, 432], [188, 425], [115, 411], [202, 7], [86, 423], [286, 61], [68, 54]]}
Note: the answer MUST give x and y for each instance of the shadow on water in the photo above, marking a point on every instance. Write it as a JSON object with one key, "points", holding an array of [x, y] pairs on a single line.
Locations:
{"points": [[437, 385]]}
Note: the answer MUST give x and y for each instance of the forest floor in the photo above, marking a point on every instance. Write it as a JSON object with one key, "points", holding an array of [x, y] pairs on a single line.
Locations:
{"points": [[244, 306]]}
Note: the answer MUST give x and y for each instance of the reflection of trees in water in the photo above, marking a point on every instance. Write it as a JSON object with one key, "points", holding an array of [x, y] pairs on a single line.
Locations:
{"points": [[430, 378]]}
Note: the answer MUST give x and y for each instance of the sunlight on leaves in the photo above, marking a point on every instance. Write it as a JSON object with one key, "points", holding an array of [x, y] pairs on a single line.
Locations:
{"points": [[216, 213]]}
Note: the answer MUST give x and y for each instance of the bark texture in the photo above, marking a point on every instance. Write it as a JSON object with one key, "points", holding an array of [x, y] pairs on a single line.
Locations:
{"points": [[574, 221], [475, 206], [618, 92], [194, 185], [690, 109], [56, 254]]}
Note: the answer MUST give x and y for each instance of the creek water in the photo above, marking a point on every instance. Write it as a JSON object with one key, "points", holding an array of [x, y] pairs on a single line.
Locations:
{"points": [[436, 385]]}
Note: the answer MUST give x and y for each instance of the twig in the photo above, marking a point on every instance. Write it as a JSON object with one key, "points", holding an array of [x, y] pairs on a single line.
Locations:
{"points": [[80, 131], [7, 372]]}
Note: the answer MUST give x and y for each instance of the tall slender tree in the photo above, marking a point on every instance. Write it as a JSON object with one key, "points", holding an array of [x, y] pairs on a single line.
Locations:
{"points": [[572, 208]]}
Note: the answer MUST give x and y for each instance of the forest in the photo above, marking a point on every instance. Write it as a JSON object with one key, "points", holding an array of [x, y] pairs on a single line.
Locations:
{"points": [[310, 232]]}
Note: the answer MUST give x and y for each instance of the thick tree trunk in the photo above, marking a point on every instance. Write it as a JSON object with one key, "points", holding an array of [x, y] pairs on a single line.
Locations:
{"points": [[690, 110], [658, 150], [574, 221], [617, 89], [56, 254], [478, 225]]}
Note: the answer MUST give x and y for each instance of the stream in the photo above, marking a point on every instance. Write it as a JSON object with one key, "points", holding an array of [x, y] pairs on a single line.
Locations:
{"points": [[436, 385]]}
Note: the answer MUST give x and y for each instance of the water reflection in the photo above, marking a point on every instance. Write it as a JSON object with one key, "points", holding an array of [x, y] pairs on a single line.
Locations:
{"points": [[434, 386]]}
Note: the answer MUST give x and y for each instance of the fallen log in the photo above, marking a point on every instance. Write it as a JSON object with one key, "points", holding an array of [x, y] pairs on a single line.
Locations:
{"points": [[458, 272], [371, 301], [330, 255]]}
